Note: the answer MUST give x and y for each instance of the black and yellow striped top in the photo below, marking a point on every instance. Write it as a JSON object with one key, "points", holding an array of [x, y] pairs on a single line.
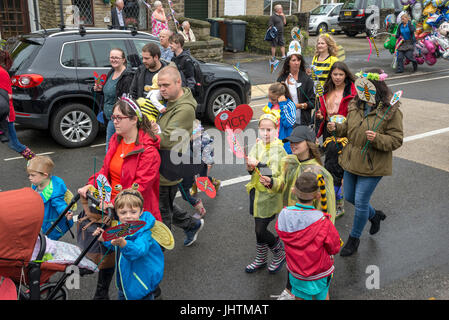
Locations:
{"points": [[323, 67]]}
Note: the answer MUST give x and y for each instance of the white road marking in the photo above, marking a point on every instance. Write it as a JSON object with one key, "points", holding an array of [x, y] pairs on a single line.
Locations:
{"points": [[18, 158], [98, 145], [426, 134]]}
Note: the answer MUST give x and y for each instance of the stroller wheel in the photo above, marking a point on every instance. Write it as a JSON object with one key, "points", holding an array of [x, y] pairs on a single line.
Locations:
{"points": [[47, 288]]}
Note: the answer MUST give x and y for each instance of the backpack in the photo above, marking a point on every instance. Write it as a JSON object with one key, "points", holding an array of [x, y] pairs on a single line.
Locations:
{"points": [[271, 34]]}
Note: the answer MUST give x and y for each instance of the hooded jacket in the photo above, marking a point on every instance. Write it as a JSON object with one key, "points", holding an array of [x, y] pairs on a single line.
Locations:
{"points": [[184, 62], [140, 166], [291, 170], [176, 128], [310, 239], [266, 202], [140, 263], [378, 159], [54, 204]]}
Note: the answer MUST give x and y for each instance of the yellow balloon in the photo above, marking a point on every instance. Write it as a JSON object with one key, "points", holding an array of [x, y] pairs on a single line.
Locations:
{"points": [[429, 9], [426, 27]]}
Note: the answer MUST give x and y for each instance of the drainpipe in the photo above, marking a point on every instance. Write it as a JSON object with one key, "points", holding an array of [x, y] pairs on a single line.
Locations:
{"points": [[218, 4], [36, 20], [61, 12]]}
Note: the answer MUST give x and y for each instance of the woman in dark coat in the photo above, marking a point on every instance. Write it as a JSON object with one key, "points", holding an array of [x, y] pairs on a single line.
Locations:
{"points": [[118, 81], [300, 86]]}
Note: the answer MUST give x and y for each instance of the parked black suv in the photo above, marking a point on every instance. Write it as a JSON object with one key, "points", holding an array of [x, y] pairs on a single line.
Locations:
{"points": [[353, 14], [52, 77]]}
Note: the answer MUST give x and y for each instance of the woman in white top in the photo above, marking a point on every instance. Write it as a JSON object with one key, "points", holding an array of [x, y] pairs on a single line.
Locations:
{"points": [[187, 33]]}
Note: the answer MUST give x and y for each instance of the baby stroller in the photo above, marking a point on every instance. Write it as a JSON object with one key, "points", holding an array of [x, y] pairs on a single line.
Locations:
{"points": [[21, 217]]}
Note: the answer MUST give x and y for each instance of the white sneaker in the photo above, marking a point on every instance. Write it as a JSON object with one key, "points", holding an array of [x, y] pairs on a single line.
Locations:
{"points": [[285, 295]]}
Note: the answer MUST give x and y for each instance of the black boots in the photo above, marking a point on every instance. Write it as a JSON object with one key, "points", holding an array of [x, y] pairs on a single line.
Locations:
{"points": [[375, 222], [350, 247], [103, 282], [415, 66]]}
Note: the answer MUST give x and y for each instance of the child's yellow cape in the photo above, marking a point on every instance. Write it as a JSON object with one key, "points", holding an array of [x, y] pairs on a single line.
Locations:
{"points": [[266, 202]]}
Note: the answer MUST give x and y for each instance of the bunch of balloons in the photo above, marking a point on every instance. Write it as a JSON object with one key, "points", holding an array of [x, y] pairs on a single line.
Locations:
{"points": [[431, 20]]}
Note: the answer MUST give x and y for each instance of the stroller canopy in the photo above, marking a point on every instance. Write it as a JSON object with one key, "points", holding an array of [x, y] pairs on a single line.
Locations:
{"points": [[21, 217]]}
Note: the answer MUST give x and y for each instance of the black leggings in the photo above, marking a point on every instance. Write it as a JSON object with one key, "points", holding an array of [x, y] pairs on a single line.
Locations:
{"points": [[261, 224], [262, 233]]}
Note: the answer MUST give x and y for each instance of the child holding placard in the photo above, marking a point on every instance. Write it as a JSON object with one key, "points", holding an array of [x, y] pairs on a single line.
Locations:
{"points": [[139, 258], [263, 163]]}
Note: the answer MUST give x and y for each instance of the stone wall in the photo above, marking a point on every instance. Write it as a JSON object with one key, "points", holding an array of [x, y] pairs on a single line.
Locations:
{"points": [[308, 5], [207, 50], [47, 13]]}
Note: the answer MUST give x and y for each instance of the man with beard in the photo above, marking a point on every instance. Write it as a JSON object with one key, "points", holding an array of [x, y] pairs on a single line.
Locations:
{"points": [[143, 78]]}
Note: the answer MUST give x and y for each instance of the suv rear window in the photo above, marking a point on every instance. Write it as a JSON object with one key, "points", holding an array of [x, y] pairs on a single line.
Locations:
{"points": [[21, 53], [352, 4]]}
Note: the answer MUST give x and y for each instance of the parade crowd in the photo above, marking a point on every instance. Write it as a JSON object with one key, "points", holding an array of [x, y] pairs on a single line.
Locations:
{"points": [[297, 182]]}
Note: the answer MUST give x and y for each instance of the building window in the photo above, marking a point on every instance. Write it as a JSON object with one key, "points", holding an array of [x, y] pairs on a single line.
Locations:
{"points": [[86, 13], [289, 6]]}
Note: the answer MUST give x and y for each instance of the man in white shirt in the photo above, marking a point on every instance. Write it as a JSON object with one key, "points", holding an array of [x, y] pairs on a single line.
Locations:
{"points": [[117, 16]]}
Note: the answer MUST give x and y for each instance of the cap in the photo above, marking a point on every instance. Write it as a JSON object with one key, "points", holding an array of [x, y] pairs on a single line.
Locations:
{"points": [[301, 133]]}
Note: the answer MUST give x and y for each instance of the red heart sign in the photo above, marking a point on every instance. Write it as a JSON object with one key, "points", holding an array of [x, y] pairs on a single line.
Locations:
{"points": [[237, 119]]}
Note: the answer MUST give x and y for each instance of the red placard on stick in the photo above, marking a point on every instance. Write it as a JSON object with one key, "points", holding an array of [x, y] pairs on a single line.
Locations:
{"points": [[123, 230], [205, 185], [239, 118]]}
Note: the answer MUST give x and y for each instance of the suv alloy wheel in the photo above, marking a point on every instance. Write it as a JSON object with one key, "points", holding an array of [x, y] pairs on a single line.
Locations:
{"points": [[74, 125], [220, 100]]}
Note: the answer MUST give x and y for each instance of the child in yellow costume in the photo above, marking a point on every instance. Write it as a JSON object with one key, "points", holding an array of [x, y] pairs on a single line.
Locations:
{"points": [[305, 157], [151, 106], [264, 162]]}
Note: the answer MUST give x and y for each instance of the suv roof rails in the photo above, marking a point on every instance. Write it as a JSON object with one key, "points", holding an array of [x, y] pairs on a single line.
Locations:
{"points": [[84, 31]]}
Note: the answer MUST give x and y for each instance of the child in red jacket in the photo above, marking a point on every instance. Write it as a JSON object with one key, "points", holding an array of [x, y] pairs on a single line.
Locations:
{"points": [[310, 241]]}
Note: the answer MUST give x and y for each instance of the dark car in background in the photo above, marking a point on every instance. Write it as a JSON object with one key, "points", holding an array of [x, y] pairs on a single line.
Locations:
{"points": [[53, 74], [354, 13]]}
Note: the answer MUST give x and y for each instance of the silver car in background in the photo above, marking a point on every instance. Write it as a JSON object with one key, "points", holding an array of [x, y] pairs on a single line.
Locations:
{"points": [[325, 17]]}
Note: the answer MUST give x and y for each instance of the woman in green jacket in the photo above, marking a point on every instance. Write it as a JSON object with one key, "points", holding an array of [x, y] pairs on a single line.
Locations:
{"points": [[374, 129]]}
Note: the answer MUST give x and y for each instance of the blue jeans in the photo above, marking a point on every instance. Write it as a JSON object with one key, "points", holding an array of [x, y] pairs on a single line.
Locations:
{"points": [[14, 143], [110, 130], [358, 191]]}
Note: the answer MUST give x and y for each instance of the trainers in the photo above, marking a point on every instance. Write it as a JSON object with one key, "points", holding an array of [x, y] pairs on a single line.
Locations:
{"points": [[192, 234], [285, 295]]}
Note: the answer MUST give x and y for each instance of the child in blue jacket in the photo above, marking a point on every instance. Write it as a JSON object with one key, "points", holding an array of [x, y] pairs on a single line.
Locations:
{"points": [[139, 258], [54, 193], [283, 108]]}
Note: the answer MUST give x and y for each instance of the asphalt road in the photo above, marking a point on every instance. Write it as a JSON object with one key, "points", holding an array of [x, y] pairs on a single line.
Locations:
{"points": [[409, 253]]}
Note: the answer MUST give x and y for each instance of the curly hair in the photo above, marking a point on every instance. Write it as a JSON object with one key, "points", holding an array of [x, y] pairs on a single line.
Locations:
{"points": [[331, 44]]}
